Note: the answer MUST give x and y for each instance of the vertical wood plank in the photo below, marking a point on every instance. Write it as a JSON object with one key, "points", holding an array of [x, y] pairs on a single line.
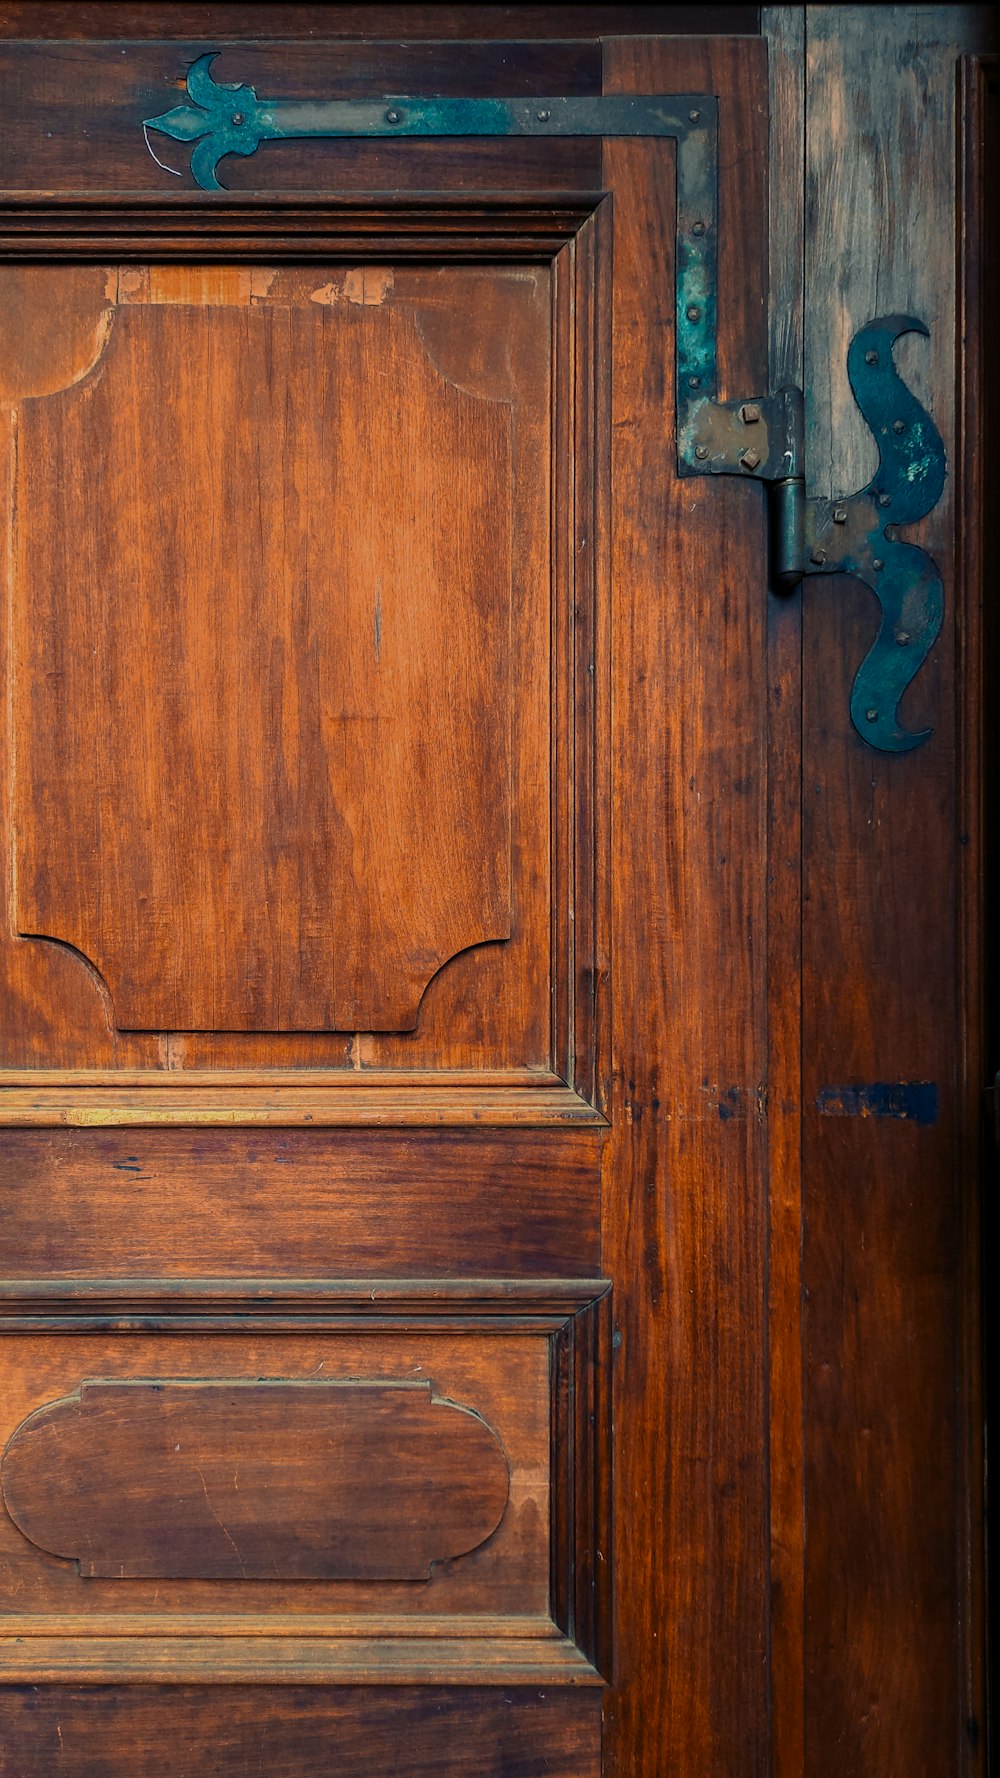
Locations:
{"points": [[784, 28], [884, 1196], [684, 1215], [978, 744]]}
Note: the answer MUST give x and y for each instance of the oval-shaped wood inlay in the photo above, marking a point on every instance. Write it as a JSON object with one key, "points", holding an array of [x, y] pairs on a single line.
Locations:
{"points": [[262, 1480]]}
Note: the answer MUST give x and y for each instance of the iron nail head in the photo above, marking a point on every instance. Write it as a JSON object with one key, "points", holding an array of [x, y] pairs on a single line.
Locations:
{"points": [[694, 382], [899, 426], [750, 459], [701, 452], [693, 116], [693, 313], [902, 637], [839, 516], [871, 715], [877, 564], [238, 118], [819, 557], [871, 357], [885, 499], [698, 228], [394, 117], [749, 413], [543, 116]]}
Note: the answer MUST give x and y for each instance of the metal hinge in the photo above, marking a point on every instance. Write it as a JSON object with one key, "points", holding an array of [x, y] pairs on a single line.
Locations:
{"points": [[759, 438]]}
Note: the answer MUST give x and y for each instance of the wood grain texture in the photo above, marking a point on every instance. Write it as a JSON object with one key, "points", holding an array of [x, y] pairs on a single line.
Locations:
{"points": [[92, 139], [883, 1202], [978, 753], [315, 226], [173, 1731], [354, 1099], [296, 1533], [492, 1005], [784, 28], [307, 811], [684, 1215], [274, 1480], [198, 19], [226, 1203]]}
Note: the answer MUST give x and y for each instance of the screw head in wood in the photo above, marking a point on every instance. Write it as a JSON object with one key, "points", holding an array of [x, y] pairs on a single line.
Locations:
{"points": [[701, 451], [694, 382], [394, 117], [543, 116]]}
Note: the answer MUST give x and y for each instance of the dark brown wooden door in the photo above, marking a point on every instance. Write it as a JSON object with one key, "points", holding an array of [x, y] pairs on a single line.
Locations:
{"points": [[382, 968]]}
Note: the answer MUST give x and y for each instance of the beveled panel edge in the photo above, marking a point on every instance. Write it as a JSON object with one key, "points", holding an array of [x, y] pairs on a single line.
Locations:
{"points": [[300, 1660], [54, 1101], [139, 1305], [293, 226], [581, 1433]]}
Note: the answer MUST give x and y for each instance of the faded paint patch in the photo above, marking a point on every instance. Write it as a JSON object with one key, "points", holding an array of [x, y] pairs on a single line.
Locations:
{"points": [[911, 1101], [327, 293], [368, 284]]}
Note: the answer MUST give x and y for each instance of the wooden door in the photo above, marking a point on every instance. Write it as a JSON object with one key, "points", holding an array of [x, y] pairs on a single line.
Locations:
{"points": [[385, 967]]}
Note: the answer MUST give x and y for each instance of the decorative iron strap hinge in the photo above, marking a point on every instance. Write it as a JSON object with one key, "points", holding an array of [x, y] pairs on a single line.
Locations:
{"points": [[759, 438]]}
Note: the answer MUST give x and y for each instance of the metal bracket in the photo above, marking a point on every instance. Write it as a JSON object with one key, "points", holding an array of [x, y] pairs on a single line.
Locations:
{"points": [[859, 535], [760, 438]]}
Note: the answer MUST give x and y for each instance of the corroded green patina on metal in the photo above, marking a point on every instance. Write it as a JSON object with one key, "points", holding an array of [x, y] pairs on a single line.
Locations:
{"points": [[759, 438], [222, 120], [859, 535]]}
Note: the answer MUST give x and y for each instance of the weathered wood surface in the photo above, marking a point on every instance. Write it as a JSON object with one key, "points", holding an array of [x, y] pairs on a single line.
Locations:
{"points": [[685, 1189], [82, 1494], [849, 1384], [268, 1480], [295, 594], [784, 27], [262, 893], [888, 1289], [143, 1202], [234, 1731]]}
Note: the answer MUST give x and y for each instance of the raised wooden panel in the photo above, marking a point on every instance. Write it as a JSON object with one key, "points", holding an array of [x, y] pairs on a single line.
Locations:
{"points": [[275, 1455], [348, 1463], [262, 695], [255, 1481], [227, 894]]}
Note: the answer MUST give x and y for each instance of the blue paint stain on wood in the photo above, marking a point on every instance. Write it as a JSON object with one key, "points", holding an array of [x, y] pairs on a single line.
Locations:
{"points": [[912, 1101]]}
